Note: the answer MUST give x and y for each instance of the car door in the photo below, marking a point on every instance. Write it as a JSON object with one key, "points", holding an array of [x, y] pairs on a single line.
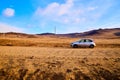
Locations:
{"points": [[87, 43], [82, 43]]}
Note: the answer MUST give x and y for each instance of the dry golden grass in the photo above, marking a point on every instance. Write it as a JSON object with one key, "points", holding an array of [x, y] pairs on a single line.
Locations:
{"points": [[53, 59], [35, 63], [54, 42]]}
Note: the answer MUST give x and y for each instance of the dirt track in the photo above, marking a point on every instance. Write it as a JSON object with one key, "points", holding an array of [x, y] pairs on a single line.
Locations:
{"points": [[36, 63]]}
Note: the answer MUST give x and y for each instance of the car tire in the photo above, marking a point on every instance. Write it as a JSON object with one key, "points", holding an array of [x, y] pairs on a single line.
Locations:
{"points": [[75, 46], [91, 46]]}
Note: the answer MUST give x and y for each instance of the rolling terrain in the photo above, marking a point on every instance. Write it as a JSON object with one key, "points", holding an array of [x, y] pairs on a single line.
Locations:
{"points": [[48, 56], [100, 33], [102, 37]]}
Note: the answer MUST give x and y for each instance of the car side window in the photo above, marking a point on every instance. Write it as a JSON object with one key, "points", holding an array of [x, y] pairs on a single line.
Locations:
{"points": [[81, 41], [85, 40], [90, 40]]}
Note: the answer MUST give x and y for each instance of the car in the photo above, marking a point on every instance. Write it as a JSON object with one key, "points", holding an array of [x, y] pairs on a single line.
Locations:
{"points": [[83, 43]]}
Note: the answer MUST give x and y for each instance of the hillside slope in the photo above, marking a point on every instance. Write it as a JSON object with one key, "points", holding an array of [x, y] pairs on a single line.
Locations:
{"points": [[99, 33]]}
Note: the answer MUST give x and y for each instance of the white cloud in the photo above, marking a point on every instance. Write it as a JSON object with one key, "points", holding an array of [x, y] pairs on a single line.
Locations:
{"points": [[69, 12], [63, 13], [8, 12], [55, 8], [8, 28], [92, 8], [73, 14]]}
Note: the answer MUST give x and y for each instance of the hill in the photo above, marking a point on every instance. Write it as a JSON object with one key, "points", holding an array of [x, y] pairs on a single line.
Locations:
{"points": [[99, 33], [17, 35]]}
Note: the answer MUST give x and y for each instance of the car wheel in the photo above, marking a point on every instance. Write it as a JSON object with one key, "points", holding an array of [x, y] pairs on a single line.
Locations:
{"points": [[91, 46], [75, 46]]}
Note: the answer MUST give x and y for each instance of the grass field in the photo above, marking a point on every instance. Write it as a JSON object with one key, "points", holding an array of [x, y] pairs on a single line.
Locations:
{"points": [[53, 59], [55, 42]]}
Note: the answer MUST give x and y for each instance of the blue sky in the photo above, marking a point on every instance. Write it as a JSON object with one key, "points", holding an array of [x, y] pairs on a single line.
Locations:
{"points": [[68, 16]]}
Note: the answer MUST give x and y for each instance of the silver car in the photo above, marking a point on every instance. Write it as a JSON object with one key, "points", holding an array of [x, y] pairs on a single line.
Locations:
{"points": [[83, 43]]}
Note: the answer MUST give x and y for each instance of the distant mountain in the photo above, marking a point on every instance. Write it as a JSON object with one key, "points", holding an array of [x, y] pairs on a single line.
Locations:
{"points": [[99, 33], [46, 34], [15, 34], [107, 33]]}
